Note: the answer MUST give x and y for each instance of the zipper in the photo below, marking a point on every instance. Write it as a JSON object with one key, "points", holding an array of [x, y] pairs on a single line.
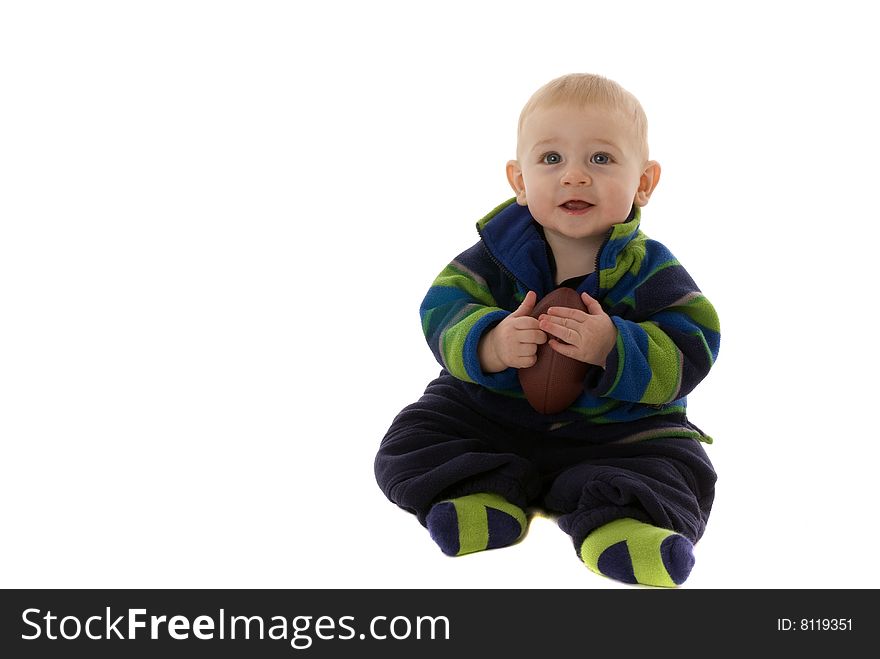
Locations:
{"points": [[497, 262], [599, 254]]}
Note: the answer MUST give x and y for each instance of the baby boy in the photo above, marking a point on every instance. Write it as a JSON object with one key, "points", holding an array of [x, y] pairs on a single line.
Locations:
{"points": [[622, 467]]}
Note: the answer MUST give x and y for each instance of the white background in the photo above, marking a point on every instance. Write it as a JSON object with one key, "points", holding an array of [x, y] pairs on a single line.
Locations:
{"points": [[219, 220]]}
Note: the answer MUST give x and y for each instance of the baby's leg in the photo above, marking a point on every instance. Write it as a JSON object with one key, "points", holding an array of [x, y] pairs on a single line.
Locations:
{"points": [[635, 511], [457, 471]]}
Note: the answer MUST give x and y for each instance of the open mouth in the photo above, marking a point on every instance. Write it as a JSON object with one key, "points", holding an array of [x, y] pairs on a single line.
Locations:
{"points": [[576, 205]]}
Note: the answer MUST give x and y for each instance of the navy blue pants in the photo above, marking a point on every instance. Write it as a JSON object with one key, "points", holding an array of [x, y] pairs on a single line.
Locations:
{"points": [[440, 447]]}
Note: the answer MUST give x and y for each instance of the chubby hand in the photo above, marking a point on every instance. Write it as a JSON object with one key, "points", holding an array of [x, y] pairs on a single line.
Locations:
{"points": [[514, 341], [587, 337]]}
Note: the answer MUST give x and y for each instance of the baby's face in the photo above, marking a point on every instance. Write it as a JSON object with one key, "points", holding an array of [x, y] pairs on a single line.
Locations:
{"points": [[578, 169]]}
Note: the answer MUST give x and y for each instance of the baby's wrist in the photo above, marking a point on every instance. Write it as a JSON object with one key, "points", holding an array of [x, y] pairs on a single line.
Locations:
{"points": [[609, 342], [487, 355]]}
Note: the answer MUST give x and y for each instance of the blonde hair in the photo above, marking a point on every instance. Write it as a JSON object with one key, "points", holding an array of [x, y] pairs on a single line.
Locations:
{"points": [[588, 89]]}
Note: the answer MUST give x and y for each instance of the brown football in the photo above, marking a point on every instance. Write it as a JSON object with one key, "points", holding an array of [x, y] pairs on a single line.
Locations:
{"points": [[555, 381]]}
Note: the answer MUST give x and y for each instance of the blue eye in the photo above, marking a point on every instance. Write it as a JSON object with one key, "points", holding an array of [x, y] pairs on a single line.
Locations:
{"points": [[551, 158], [600, 159]]}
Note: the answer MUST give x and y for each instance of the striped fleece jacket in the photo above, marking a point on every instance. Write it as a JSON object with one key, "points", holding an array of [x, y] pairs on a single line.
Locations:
{"points": [[668, 332]]}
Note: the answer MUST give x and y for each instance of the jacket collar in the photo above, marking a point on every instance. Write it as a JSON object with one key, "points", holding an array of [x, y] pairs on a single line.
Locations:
{"points": [[510, 236]]}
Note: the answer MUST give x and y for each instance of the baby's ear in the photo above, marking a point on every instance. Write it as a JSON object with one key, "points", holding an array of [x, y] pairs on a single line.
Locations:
{"points": [[515, 178], [647, 182]]}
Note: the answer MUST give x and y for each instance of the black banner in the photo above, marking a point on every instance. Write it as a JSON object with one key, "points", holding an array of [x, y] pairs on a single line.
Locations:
{"points": [[429, 623]]}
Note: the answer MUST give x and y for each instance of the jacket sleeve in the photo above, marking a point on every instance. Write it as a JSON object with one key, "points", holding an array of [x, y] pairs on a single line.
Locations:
{"points": [[668, 333], [461, 305]]}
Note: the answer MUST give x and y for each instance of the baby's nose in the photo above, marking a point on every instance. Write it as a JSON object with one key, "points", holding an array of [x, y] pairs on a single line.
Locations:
{"points": [[575, 176]]}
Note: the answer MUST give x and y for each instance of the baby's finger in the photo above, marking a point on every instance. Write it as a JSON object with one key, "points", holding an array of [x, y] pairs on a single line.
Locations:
{"points": [[525, 323], [564, 349], [526, 349], [567, 312], [559, 331], [593, 305], [528, 303], [532, 337], [526, 362]]}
